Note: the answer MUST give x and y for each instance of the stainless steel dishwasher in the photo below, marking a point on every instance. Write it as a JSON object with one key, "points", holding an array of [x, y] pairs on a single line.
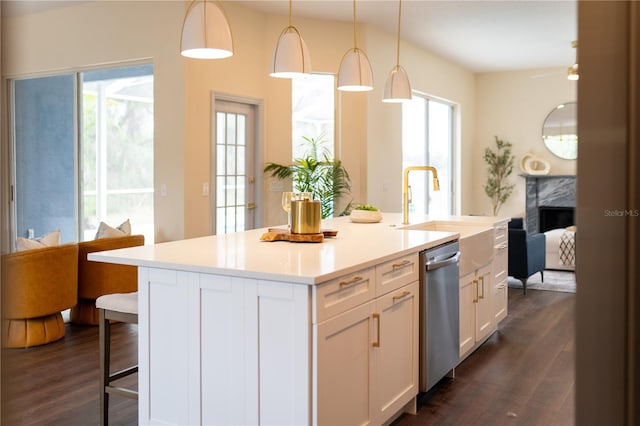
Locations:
{"points": [[439, 313]]}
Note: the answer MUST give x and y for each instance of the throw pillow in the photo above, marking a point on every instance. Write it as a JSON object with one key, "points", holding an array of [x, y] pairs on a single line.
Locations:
{"points": [[106, 231], [49, 239]]}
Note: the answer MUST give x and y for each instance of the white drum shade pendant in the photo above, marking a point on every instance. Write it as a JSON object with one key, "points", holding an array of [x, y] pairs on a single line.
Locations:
{"points": [[355, 73], [205, 32], [290, 56], [397, 88]]}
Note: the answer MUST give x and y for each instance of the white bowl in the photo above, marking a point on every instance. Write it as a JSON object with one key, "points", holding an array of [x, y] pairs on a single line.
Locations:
{"points": [[365, 216]]}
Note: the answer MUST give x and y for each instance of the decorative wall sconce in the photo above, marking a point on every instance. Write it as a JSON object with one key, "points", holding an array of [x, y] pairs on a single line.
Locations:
{"points": [[572, 72]]}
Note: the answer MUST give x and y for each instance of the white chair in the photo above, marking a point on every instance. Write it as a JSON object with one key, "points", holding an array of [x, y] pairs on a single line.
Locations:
{"points": [[121, 307]]}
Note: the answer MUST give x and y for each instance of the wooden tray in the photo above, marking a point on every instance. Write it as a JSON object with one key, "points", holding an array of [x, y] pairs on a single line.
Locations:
{"points": [[280, 234]]}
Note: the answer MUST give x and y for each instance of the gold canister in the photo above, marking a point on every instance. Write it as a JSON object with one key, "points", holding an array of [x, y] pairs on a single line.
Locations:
{"points": [[305, 217]]}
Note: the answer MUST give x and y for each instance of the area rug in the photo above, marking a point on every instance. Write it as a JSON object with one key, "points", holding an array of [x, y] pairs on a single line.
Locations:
{"points": [[564, 281]]}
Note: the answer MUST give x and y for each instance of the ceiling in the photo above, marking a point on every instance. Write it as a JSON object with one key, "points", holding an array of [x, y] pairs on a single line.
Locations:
{"points": [[480, 35]]}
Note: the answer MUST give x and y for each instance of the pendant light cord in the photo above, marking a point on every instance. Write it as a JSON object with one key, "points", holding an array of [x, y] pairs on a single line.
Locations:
{"points": [[355, 31], [290, 13], [398, 47]]}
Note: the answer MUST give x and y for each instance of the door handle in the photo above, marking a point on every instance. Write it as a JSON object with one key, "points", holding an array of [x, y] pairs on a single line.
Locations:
{"points": [[376, 344], [476, 283], [251, 206], [482, 279]]}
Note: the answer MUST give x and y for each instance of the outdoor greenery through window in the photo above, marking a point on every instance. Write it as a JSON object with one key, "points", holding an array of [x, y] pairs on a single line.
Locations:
{"points": [[117, 150], [428, 139], [312, 107]]}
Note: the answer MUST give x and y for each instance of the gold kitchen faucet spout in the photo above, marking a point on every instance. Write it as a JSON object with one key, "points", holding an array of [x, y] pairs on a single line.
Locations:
{"points": [[405, 188]]}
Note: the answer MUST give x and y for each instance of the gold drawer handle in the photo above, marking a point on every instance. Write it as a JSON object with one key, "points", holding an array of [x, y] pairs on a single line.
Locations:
{"points": [[401, 264], [376, 344], [351, 281], [401, 295]]}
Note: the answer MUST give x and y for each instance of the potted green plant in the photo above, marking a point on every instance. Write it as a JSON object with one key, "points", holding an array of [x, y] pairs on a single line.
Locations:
{"points": [[315, 172], [500, 166]]}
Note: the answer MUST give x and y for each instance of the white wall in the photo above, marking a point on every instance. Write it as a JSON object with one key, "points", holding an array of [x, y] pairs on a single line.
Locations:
{"points": [[368, 131], [89, 34], [513, 106], [428, 74]]}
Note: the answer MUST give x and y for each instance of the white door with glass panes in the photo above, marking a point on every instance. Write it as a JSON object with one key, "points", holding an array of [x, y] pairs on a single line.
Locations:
{"points": [[233, 162]]}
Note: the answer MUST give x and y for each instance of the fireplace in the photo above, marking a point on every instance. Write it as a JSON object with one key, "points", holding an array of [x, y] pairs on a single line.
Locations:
{"points": [[553, 192], [552, 217]]}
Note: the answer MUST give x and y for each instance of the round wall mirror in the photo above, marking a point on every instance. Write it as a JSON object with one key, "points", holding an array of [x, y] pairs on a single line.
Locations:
{"points": [[560, 131]]}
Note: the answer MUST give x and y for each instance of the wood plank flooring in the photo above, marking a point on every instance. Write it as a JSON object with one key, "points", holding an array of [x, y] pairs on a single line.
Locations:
{"points": [[523, 375]]}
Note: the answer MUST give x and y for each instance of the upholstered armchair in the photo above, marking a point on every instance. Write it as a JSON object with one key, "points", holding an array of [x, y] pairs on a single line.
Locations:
{"points": [[37, 285], [526, 252], [96, 279]]}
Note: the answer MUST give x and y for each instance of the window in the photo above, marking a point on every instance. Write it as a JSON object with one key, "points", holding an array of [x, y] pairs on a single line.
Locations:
{"points": [[117, 149], [428, 139], [312, 107], [83, 152]]}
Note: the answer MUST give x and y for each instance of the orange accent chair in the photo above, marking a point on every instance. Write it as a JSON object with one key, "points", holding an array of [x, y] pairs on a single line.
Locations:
{"points": [[96, 279], [37, 285]]}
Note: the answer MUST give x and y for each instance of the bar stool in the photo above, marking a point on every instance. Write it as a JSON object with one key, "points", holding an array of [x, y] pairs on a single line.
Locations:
{"points": [[121, 307]]}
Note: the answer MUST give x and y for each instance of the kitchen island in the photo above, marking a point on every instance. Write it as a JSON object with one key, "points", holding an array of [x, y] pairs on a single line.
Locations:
{"points": [[234, 330]]}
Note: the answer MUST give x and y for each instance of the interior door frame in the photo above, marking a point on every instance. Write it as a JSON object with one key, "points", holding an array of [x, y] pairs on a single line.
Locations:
{"points": [[258, 154]]}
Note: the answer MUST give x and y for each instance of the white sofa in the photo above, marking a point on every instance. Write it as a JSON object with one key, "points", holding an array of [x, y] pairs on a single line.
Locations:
{"points": [[553, 250]]}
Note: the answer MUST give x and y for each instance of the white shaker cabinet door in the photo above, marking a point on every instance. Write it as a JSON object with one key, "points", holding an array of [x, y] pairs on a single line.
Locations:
{"points": [[396, 357], [344, 370]]}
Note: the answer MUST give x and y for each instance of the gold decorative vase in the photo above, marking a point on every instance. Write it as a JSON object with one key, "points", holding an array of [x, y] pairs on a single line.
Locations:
{"points": [[305, 217]]}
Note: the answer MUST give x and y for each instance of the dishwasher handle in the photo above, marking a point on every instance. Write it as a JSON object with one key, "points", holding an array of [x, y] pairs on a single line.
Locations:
{"points": [[441, 263]]}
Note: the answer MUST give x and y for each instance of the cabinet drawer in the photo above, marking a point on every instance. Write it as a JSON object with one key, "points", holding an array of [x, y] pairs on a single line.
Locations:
{"points": [[500, 235], [500, 262], [396, 273], [341, 294]]}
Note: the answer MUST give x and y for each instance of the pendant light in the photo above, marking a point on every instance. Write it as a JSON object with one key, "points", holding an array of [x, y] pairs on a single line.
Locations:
{"points": [[355, 73], [205, 32], [398, 88], [290, 57], [572, 72]]}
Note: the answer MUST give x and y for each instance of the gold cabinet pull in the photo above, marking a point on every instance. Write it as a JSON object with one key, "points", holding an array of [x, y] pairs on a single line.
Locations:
{"points": [[351, 281], [251, 206], [482, 279], [401, 295], [476, 283], [376, 344], [401, 264]]}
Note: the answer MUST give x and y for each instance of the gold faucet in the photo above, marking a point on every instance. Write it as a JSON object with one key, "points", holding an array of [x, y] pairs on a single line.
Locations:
{"points": [[405, 188]]}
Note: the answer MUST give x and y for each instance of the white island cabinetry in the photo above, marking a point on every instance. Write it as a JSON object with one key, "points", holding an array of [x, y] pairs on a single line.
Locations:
{"points": [[367, 357], [237, 331]]}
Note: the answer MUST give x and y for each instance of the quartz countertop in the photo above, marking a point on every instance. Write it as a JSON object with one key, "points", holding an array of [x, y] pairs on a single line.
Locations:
{"points": [[242, 254]]}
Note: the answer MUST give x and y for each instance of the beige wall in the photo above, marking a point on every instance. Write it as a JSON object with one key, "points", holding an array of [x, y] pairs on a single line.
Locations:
{"points": [[432, 76], [368, 131], [513, 106], [104, 32]]}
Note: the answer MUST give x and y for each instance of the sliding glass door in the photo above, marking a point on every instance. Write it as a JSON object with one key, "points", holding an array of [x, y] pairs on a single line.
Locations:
{"points": [[45, 156], [83, 152]]}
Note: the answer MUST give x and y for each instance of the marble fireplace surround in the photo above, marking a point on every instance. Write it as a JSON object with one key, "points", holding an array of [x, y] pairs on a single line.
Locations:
{"points": [[547, 191]]}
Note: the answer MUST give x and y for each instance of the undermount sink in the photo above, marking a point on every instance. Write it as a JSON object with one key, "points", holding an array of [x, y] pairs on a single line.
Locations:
{"points": [[476, 242]]}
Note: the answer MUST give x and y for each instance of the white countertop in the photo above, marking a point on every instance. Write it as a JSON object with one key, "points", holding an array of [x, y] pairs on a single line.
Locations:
{"points": [[242, 254]]}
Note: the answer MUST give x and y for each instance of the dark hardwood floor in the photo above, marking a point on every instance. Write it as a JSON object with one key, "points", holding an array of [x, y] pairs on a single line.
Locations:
{"points": [[523, 375]]}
